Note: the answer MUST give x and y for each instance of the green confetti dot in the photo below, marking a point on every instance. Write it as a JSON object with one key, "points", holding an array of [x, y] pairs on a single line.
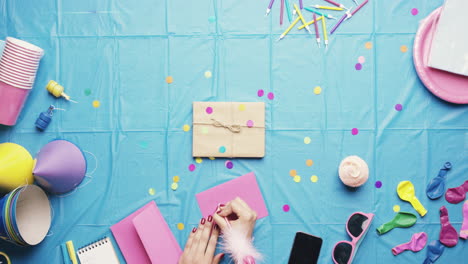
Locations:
{"points": [[87, 92], [212, 19]]}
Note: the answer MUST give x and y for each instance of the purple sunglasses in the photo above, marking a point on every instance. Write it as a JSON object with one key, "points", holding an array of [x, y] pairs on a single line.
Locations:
{"points": [[357, 226]]}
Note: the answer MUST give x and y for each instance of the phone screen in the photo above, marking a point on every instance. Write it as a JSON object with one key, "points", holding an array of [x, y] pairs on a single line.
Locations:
{"points": [[305, 249]]}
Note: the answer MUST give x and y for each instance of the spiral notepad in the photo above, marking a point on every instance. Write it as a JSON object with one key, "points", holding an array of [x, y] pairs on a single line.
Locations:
{"points": [[101, 251]]}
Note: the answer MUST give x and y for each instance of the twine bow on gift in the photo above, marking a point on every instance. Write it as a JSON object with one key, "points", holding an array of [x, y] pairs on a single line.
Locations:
{"points": [[232, 128]]}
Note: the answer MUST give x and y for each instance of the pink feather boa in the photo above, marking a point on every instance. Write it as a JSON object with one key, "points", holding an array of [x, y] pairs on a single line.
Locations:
{"points": [[241, 249]]}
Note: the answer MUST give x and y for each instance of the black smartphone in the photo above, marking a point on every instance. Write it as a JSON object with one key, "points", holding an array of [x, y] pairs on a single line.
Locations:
{"points": [[305, 249]]}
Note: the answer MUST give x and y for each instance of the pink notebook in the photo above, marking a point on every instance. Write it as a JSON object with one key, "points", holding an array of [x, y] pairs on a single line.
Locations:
{"points": [[245, 187], [144, 237]]}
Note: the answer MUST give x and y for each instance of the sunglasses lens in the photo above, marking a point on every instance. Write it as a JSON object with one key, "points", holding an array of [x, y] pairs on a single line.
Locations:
{"points": [[342, 253], [355, 224]]}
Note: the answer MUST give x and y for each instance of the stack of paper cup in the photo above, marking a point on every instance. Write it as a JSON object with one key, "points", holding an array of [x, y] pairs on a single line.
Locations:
{"points": [[18, 68]]}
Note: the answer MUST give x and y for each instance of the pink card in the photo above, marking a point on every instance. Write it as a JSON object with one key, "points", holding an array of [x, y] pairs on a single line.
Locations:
{"points": [[128, 240], [245, 187], [158, 240]]}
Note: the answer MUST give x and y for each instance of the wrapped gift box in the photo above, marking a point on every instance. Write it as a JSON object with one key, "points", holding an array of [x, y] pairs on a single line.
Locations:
{"points": [[228, 129]]}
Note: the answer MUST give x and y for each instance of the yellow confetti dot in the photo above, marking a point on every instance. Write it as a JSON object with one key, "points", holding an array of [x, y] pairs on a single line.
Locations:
{"points": [[297, 178], [180, 226], [174, 186], [242, 107], [307, 140], [212, 158], [368, 45], [396, 208], [293, 173], [204, 130], [309, 162], [186, 128], [175, 178], [96, 103], [198, 160], [208, 74], [152, 191], [314, 178], [317, 90], [169, 79], [403, 48]]}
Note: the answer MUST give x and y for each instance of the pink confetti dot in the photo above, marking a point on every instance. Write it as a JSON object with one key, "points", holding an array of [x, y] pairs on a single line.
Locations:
{"points": [[354, 131], [209, 110], [414, 11], [229, 164], [361, 59], [378, 184], [358, 66], [191, 167], [286, 208], [271, 96], [260, 93], [398, 107], [250, 123]]}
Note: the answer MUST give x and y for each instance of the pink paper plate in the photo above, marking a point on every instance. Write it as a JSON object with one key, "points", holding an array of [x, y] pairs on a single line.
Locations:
{"points": [[447, 86]]}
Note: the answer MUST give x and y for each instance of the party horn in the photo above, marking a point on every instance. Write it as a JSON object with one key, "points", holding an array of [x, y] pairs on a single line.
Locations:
{"points": [[15, 167], [405, 191], [60, 166], [401, 219], [26, 216]]}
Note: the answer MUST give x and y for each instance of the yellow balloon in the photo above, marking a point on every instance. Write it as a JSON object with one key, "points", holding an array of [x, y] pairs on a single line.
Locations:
{"points": [[16, 165]]}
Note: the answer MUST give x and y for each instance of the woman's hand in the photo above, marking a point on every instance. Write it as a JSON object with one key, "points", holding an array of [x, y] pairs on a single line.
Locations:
{"points": [[246, 217], [201, 244]]}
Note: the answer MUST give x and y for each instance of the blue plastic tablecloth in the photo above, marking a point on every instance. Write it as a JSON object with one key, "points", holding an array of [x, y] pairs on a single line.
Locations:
{"points": [[119, 53]]}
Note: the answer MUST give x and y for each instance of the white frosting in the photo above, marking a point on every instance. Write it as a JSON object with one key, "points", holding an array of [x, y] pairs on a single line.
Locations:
{"points": [[353, 171]]}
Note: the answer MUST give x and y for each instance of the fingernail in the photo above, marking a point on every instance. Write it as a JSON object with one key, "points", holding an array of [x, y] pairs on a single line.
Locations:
{"points": [[222, 205], [202, 221], [194, 230], [219, 211], [210, 218]]}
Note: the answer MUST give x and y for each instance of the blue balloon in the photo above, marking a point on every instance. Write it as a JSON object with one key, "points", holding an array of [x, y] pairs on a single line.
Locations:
{"points": [[436, 188]]}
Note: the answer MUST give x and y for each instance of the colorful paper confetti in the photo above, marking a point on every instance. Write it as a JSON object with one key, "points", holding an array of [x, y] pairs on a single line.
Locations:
{"points": [[242, 107], [361, 59], [292, 173], [271, 96], [358, 66], [174, 186], [229, 164], [396, 208], [192, 167], [176, 178], [368, 45], [317, 90], [222, 149], [209, 110], [96, 103], [204, 130], [169, 79], [286, 208], [151, 191], [143, 144], [212, 19], [378, 184], [87, 92], [414, 11], [314, 178], [297, 178], [307, 140], [398, 107], [309, 162], [403, 48], [208, 74], [186, 128], [260, 93], [198, 160], [250, 123], [212, 158], [180, 226], [354, 131]]}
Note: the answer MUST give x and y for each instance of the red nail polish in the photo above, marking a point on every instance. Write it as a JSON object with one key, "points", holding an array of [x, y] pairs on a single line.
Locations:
{"points": [[194, 230], [210, 218], [222, 205], [202, 221]]}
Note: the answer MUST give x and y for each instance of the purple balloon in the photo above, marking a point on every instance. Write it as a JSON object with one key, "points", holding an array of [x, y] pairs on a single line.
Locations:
{"points": [[60, 166]]}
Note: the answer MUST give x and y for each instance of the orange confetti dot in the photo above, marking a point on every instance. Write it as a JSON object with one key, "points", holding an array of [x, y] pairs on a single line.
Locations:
{"points": [[403, 48], [169, 79], [293, 173], [309, 162], [368, 45]]}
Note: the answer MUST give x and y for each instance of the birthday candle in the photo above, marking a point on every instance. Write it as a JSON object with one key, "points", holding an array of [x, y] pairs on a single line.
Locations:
{"points": [[336, 4], [301, 5], [329, 7], [345, 16], [325, 36], [288, 10], [309, 23], [359, 7], [302, 18], [289, 28], [319, 13], [317, 34], [269, 7], [281, 12]]}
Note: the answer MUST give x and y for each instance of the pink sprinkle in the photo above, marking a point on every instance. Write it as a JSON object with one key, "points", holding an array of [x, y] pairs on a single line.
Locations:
{"points": [[414, 11], [354, 131], [250, 123], [358, 66], [271, 96], [209, 110], [260, 93], [229, 164], [398, 107], [286, 208], [191, 167]]}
